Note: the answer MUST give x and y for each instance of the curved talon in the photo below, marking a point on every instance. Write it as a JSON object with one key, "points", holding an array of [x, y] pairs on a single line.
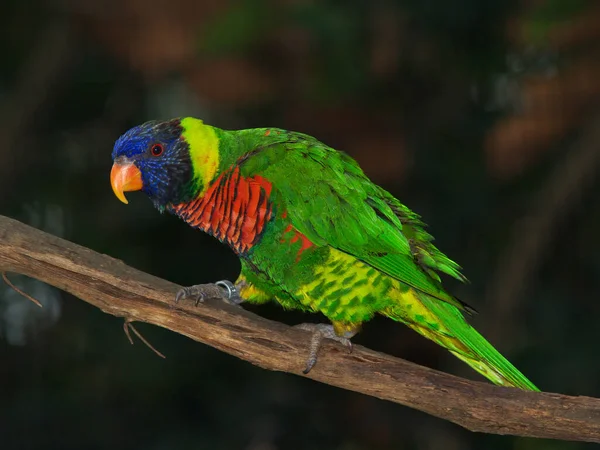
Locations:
{"points": [[309, 365], [199, 299], [320, 332], [190, 291], [181, 293]]}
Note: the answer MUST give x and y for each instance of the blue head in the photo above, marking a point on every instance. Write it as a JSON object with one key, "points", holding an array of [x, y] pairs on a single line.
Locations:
{"points": [[154, 158]]}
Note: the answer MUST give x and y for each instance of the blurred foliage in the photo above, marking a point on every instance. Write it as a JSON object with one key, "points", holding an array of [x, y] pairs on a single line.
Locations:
{"points": [[545, 16], [462, 109]]}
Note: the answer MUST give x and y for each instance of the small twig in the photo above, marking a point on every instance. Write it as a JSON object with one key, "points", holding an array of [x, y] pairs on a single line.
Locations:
{"points": [[127, 325], [24, 294]]}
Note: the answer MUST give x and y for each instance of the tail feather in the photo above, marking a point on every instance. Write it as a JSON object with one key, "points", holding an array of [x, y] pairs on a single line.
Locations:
{"points": [[445, 325]]}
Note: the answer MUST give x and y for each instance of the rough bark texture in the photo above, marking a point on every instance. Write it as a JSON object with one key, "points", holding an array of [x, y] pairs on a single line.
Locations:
{"points": [[122, 291]]}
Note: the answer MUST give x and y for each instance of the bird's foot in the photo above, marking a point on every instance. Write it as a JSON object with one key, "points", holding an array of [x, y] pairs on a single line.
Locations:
{"points": [[320, 331], [224, 289]]}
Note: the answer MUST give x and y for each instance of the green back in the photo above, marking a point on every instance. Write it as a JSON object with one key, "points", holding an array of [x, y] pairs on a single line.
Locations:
{"points": [[330, 200]]}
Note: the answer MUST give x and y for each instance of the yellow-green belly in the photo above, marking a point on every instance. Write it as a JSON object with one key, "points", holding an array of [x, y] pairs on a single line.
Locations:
{"points": [[349, 292], [346, 289]]}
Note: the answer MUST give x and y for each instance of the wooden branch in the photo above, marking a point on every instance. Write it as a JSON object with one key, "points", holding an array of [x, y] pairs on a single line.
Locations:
{"points": [[122, 291]]}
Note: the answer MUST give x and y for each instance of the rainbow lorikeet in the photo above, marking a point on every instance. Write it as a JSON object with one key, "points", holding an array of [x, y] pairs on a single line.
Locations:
{"points": [[311, 230]]}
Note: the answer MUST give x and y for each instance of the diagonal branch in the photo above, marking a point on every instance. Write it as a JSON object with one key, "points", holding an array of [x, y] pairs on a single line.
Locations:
{"points": [[122, 291]]}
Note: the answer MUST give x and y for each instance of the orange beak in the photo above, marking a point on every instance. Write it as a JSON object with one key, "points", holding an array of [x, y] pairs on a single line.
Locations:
{"points": [[123, 178]]}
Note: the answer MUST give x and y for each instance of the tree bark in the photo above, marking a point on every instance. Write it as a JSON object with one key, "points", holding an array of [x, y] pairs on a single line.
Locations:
{"points": [[122, 291]]}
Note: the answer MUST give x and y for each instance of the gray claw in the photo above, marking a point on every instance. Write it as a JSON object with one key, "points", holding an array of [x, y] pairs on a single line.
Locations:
{"points": [[200, 292], [320, 331], [188, 292]]}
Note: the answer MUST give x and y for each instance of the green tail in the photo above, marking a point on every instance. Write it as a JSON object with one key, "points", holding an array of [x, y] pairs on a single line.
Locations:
{"points": [[445, 325], [482, 356]]}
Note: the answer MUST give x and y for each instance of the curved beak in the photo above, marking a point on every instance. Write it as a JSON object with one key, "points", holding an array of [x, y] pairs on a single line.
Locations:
{"points": [[125, 177]]}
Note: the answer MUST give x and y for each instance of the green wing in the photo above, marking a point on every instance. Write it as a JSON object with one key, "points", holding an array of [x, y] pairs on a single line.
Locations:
{"points": [[329, 199]]}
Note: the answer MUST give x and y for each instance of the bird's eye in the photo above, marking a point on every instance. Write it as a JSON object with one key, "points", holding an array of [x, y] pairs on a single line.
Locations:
{"points": [[157, 149]]}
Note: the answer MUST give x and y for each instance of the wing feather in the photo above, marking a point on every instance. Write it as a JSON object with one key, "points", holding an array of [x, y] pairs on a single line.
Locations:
{"points": [[331, 201]]}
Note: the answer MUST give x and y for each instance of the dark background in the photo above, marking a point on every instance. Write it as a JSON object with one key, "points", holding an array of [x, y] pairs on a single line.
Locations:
{"points": [[480, 115]]}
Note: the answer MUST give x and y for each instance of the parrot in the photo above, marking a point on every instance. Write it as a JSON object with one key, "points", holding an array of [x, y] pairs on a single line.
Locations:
{"points": [[311, 230]]}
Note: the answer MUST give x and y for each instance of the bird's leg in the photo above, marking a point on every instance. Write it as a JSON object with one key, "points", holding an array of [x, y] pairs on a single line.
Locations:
{"points": [[224, 289], [340, 332]]}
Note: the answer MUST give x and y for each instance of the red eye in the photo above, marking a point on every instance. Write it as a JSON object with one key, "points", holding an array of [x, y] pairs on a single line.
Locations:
{"points": [[157, 149]]}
